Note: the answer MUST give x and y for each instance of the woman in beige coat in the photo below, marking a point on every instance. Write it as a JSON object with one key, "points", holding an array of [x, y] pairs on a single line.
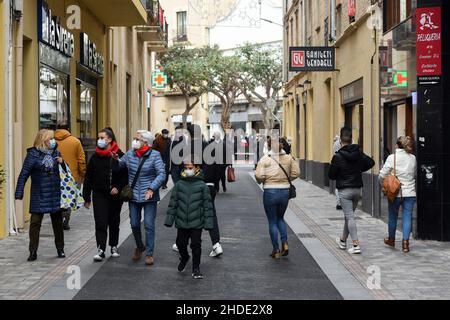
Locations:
{"points": [[276, 192]]}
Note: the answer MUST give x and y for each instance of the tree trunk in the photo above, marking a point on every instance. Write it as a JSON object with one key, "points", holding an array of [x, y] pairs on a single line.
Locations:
{"points": [[226, 112]]}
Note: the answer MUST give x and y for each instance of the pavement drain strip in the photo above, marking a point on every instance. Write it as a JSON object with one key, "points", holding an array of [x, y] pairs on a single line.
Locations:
{"points": [[351, 265]]}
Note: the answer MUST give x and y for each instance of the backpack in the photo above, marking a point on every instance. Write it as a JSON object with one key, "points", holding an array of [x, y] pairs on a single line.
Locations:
{"points": [[392, 185]]}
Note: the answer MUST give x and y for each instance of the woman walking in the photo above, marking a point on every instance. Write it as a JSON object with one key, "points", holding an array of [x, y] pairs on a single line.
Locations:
{"points": [[146, 174], [403, 162], [275, 171], [42, 165], [105, 186]]}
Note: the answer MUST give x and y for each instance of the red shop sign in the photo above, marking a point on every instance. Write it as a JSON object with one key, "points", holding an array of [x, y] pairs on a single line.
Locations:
{"points": [[429, 41]]}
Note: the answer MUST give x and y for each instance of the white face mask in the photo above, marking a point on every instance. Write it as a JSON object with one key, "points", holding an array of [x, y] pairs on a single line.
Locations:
{"points": [[136, 144], [189, 172]]}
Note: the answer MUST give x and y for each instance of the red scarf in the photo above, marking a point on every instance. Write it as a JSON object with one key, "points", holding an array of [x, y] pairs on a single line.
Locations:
{"points": [[143, 150], [107, 152]]}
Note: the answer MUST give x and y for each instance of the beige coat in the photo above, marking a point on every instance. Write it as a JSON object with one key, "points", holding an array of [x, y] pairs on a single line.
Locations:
{"points": [[269, 173]]}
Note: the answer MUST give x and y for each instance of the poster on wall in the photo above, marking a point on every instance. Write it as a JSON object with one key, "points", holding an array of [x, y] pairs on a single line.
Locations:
{"points": [[429, 45]]}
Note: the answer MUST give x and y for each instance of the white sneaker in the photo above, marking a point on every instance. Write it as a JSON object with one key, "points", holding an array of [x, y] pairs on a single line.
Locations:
{"points": [[355, 250], [115, 252], [216, 251], [175, 248], [99, 256], [342, 245]]}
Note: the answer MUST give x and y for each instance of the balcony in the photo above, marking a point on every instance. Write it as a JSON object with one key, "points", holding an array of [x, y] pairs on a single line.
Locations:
{"points": [[118, 13], [155, 32]]}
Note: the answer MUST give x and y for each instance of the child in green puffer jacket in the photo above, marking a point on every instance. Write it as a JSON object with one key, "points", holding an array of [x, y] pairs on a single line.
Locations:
{"points": [[191, 209]]}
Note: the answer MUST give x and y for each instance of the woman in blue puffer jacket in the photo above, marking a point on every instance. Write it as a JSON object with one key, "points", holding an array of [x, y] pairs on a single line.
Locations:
{"points": [[41, 163], [145, 192]]}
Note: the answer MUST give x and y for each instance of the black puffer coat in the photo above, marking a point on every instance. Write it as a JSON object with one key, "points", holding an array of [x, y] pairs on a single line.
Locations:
{"points": [[347, 167]]}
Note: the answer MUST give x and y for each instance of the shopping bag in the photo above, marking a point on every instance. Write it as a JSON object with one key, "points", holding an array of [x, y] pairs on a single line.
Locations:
{"points": [[71, 197], [231, 174]]}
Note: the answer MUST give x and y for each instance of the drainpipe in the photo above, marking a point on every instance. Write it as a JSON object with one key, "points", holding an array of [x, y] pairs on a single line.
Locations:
{"points": [[372, 62], [333, 20], [10, 121]]}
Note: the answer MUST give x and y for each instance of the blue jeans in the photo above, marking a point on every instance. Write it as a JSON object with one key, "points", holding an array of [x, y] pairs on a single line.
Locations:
{"points": [[275, 204], [149, 224], [408, 207]]}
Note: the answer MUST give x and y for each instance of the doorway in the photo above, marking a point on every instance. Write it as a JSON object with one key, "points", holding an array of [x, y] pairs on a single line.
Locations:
{"points": [[354, 119]]}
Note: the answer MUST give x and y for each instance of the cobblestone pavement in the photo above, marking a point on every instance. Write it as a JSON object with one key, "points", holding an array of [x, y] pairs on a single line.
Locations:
{"points": [[424, 273]]}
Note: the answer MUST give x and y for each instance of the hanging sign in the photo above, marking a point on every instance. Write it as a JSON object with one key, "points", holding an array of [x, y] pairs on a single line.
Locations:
{"points": [[429, 45], [52, 33], [312, 59], [89, 57], [352, 8], [159, 80]]}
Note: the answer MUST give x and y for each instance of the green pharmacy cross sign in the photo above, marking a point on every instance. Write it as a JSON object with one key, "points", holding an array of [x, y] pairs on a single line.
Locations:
{"points": [[159, 80], [401, 79]]}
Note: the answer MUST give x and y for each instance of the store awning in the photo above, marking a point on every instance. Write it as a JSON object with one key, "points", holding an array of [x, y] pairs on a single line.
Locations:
{"points": [[118, 13]]}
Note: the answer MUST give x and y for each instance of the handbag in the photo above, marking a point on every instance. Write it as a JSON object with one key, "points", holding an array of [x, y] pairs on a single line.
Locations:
{"points": [[71, 197], [231, 174], [126, 195], [391, 184], [292, 188]]}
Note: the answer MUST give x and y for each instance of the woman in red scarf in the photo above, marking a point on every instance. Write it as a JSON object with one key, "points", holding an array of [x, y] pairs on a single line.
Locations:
{"points": [[105, 187]]}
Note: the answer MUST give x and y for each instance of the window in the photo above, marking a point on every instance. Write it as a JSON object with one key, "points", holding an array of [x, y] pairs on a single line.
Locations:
{"points": [[395, 12], [54, 99], [181, 25], [88, 103]]}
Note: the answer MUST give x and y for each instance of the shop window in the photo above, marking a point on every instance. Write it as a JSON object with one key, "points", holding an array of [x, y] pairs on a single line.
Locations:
{"points": [[54, 99], [398, 121], [354, 119], [88, 103], [395, 12]]}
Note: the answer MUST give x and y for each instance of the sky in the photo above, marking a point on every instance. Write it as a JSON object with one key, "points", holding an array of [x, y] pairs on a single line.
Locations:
{"points": [[245, 24]]}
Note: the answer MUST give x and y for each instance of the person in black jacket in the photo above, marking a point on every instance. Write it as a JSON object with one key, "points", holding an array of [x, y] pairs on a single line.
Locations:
{"points": [[346, 168], [105, 186], [212, 171], [166, 155]]}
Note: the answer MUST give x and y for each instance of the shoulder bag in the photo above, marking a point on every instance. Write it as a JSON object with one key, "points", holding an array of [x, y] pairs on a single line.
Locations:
{"points": [[391, 184], [292, 189], [127, 192]]}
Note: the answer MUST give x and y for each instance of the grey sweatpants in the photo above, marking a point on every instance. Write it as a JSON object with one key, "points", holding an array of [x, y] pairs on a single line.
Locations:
{"points": [[349, 202]]}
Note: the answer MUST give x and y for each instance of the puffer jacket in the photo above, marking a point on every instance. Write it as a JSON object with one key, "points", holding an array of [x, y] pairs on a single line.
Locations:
{"points": [[152, 176], [190, 204], [269, 173], [45, 184], [348, 165]]}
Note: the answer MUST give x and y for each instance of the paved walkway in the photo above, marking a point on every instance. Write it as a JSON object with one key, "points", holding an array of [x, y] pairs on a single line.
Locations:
{"points": [[424, 273], [316, 269], [244, 272]]}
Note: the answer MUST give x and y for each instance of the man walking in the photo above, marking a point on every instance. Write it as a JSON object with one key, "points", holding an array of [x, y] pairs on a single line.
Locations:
{"points": [[166, 155], [346, 168], [72, 152]]}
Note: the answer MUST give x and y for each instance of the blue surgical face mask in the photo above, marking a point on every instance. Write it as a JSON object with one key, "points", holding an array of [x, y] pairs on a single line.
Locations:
{"points": [[52, 144], [101, 143]]}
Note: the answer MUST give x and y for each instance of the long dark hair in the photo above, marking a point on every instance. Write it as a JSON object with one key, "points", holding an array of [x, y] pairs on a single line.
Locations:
{"points": [[110, 133]]}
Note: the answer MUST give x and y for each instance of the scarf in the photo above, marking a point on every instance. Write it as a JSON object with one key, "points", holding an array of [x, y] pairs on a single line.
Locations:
{"points": [[48, 161], [107, 152], [143, 150]]}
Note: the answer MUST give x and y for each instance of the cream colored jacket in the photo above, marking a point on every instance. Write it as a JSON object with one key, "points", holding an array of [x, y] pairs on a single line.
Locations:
{"points": [[406, 168], [269, 173]]}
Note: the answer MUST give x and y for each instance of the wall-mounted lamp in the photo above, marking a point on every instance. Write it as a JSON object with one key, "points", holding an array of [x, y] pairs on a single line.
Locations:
{"points": [[307, 82]]}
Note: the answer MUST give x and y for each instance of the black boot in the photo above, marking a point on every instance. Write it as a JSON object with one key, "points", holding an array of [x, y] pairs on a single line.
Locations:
{"points": [[33, 255], [61, 253]]}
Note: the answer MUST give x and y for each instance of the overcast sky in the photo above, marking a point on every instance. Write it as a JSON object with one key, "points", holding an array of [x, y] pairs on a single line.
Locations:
{"points": [[245, 24]]}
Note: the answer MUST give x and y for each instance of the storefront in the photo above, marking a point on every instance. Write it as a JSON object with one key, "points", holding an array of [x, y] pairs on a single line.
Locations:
{"points": [[56, 49], [398, 80], [352, 96]]}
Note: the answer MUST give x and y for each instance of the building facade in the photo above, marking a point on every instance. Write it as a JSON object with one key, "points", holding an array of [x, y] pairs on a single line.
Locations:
{"points": [[318, 104], [80, 63], [187, 26]]}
